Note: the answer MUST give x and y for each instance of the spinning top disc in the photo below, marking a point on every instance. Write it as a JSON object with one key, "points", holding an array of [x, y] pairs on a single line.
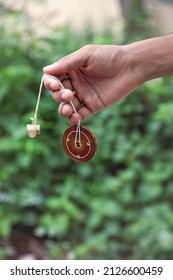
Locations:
{"points": [[84, 148]]}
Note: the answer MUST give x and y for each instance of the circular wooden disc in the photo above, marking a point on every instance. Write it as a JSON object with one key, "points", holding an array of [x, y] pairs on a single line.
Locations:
{"points": [[83, 151]]}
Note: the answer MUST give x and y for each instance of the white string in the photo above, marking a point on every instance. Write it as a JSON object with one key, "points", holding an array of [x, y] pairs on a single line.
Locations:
{"points": [[34, 119], [78, 134]]}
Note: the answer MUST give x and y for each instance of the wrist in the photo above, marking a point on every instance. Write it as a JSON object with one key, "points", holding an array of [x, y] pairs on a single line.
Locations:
{"points": [[152, 58]]}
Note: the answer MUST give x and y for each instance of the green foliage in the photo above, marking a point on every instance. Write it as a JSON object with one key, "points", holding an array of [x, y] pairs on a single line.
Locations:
{"points": [[119, 205], [137, 24]]}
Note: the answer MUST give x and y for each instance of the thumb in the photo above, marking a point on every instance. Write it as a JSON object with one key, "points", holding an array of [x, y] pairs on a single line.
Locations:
{"points": [[68, 63]]}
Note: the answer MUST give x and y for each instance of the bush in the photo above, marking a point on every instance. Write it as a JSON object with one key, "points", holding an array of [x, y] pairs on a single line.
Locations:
{"points": [[119, 205]]}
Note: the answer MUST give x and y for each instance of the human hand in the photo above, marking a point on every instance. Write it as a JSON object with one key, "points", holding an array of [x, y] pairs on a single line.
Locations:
{"points": [[100, 75]]}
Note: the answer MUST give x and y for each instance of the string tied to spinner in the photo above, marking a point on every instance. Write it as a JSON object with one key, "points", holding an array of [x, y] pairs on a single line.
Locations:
{"points": [[78, 141]]}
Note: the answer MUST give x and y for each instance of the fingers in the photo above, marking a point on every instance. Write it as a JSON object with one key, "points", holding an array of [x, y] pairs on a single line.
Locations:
{"points": [[58, 93], [67, 83], [64, 96], [81, 115], [51, 83], [66, 109]]}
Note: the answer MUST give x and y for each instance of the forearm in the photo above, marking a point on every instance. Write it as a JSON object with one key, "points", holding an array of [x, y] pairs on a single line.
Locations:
{"points": [[152, 58]]}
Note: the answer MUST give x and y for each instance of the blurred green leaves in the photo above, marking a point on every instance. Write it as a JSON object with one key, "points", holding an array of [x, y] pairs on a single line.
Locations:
{"points": [[117, 206]]}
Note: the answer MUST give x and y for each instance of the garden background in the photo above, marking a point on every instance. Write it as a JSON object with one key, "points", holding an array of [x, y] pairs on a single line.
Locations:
{"points": [[117, 206]]}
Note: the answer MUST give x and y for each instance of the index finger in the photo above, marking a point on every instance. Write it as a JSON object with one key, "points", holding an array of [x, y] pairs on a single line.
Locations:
{"points": [[68, 63]]}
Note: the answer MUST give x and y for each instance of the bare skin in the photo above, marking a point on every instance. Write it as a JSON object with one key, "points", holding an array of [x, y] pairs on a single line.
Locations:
{"points": [[101, 75]]}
